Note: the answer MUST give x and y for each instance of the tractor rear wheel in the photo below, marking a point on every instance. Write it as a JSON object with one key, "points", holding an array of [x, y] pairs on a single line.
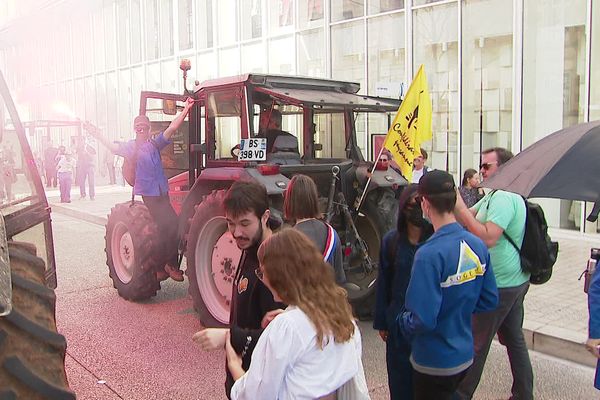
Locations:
{"points": [[212, 261], [32, 353], [131, 239]]}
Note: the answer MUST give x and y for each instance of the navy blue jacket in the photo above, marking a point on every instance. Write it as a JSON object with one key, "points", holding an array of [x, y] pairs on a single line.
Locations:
{"points": [[594, 307], [392, 281]]}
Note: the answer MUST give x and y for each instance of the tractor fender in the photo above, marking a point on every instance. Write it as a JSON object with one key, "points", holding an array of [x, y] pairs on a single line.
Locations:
{"points": [[379, 179]]}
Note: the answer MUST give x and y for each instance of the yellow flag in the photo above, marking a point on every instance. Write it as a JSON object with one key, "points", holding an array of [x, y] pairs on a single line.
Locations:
{"points": [[411, 126]]}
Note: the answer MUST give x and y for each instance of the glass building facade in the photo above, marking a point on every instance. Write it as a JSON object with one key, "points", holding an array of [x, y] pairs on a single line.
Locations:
{"points": [[501, 72]]}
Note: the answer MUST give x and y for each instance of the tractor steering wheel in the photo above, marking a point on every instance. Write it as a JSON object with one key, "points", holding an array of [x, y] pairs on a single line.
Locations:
{"points": [[235, 151]]}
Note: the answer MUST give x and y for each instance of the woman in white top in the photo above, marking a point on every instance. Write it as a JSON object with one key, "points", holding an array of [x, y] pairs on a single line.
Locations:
{"points": [[64, 169], [313, 347]]}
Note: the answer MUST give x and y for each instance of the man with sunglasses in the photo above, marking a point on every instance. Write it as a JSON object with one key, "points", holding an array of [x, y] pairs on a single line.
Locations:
{"points": [[384, 160], [497, 215], [151, 182]]}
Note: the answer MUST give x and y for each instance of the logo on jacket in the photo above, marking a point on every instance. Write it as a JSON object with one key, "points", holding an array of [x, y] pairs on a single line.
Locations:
{"points": [[469, 267], [242, 285]]}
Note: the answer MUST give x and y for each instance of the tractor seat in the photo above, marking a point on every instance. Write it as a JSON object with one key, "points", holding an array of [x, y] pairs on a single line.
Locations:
{"points": [[285, 150]]}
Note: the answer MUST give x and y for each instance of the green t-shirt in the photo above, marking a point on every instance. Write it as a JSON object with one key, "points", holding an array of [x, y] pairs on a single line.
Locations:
{"points": [[507, 210]]}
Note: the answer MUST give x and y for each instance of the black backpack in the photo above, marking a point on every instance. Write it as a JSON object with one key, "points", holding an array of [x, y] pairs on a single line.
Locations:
{"points": [[538, 252]]}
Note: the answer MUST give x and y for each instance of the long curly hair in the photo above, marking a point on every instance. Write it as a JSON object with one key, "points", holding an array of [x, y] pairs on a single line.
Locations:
{"points": [[295, 269]]}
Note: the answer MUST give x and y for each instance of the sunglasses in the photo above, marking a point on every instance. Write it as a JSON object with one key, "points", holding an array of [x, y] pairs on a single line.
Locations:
{"points": [[384, 160], [488, 165]]}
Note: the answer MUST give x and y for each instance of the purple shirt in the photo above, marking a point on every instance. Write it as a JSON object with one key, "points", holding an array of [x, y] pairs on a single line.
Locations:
{"points": [[150, 179]]}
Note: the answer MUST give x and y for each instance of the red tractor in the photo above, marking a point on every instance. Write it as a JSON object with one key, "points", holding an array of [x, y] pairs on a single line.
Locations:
{"points": [[320, 120]]}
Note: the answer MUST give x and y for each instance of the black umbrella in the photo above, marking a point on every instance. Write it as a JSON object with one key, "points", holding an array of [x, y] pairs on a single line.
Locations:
{"points": [[563, 165]]}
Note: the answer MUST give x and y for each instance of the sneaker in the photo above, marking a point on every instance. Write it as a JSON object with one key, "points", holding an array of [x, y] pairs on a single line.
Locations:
{"points": [[174, 273]]}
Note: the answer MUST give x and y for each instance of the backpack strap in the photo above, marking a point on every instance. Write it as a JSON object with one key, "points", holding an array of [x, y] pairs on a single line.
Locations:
{"points": [[517, 248], [134, 161], [511, 242]]}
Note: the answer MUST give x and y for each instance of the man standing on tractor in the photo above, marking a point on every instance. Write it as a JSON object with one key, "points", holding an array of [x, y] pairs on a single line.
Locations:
{"points": [[151, 183], [247, 213]]}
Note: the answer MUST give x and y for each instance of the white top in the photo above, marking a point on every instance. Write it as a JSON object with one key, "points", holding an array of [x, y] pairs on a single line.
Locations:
{"points": [[65, 165], [118, 161], [287, 364], [417, 174]]}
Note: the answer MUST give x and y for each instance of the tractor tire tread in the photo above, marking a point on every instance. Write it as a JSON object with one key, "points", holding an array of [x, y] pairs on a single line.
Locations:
{"points": [[211, 204], [20, 371], [32, 353]]}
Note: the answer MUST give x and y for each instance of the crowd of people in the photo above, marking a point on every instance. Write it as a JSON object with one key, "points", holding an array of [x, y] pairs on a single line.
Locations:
{"points": [[62, 167], [490, 219], [449, 281]]}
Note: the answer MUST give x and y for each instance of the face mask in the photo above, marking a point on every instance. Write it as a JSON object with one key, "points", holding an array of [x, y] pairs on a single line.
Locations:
{"points": [[426, 219], [414, 215]]}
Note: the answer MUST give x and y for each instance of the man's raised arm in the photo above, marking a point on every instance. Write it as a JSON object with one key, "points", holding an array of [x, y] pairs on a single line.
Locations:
{"points": [[96, 133], [176, 123]]}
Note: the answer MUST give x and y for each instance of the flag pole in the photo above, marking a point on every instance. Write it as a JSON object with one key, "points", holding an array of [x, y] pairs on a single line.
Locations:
{"points": [[370, 176]]}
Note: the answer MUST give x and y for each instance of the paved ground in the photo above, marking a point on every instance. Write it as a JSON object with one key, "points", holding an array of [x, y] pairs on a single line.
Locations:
{"points": [[558, 309], [555, 313], [143, 350]]}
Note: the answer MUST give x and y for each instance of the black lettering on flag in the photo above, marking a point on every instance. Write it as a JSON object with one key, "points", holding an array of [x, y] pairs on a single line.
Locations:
{"points": [[400, 151], [413, 117]]}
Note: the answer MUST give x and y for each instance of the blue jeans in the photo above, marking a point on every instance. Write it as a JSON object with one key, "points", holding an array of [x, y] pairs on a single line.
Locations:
{"points": [[65, 179], [507, 321]]}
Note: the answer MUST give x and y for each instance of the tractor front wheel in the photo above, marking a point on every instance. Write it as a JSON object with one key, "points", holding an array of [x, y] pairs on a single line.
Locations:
{"points": [[212, 261], [131, 240]]}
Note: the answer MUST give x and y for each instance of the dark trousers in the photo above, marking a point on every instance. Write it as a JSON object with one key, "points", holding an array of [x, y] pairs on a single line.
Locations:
{"points": [[434, 387], [50, 177], [507, 321], [65, 180], [86, 173], [111, 174], [166, 220], [399, 368]]}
